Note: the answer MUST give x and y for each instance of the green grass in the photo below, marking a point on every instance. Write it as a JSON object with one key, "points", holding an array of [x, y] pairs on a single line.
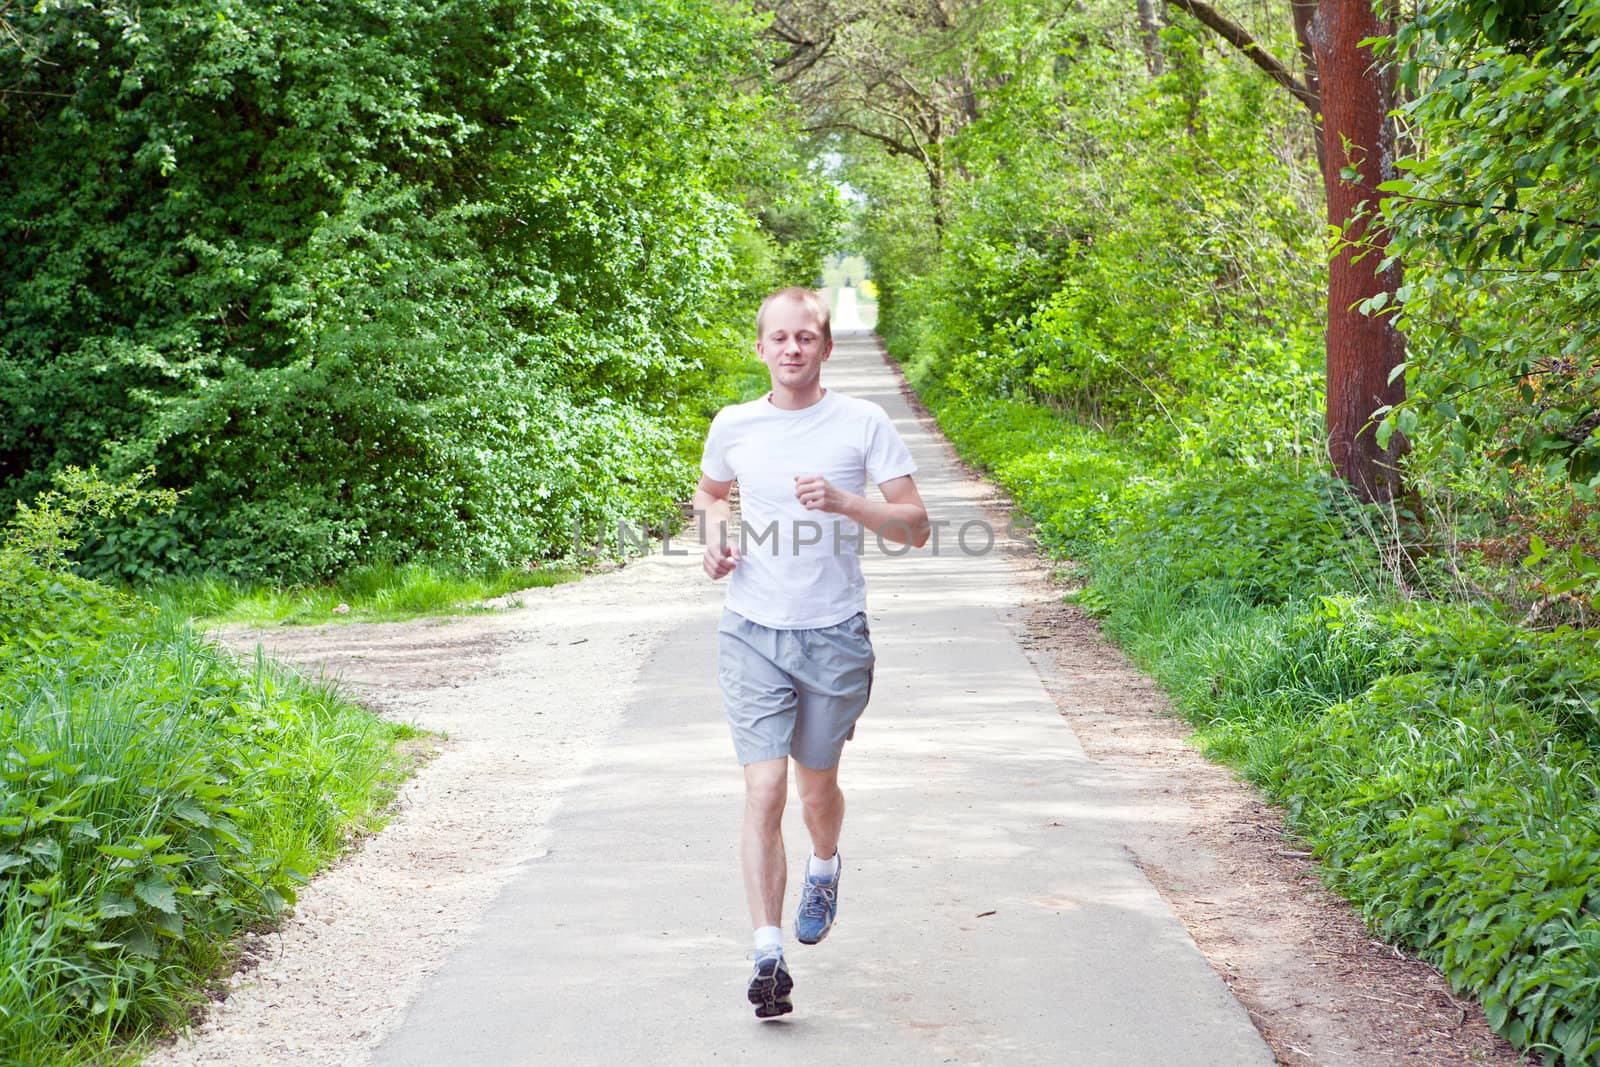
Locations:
{"points": [[374, 593], [156, 798]]}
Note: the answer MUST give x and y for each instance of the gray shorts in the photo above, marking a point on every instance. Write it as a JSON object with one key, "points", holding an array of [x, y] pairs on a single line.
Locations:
{"points": [[794, 692]]}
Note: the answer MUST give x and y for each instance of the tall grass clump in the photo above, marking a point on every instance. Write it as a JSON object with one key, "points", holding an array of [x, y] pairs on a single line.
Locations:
{"points": [[156, 797]]}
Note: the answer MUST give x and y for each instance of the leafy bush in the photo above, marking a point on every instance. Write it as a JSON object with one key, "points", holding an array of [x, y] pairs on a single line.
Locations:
{"points": [[376, 283], [1499, 223], [1073, 484], [1554, 672]]}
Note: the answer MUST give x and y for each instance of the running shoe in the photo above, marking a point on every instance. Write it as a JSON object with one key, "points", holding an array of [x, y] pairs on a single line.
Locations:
{"points": [[819, 903], [770, 984]]}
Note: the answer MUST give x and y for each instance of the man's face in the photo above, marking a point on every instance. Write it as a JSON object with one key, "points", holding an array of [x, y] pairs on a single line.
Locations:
{"points": [[791, 345]]}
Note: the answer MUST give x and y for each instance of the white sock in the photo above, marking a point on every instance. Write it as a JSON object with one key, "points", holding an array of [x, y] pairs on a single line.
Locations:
{"points": [[769, 937], [827, 869]]}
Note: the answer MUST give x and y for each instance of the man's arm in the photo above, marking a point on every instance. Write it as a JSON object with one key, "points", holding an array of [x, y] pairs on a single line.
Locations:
{"points": [[715, 512], [901, 517]]}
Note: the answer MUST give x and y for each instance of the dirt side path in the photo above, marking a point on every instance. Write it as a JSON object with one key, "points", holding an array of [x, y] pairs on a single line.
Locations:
{"points": [[1320, 988], [521, 698]]}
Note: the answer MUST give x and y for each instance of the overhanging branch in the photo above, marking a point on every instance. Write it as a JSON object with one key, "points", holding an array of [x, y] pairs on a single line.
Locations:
{"points": [[895, 148], [1240, 38]]}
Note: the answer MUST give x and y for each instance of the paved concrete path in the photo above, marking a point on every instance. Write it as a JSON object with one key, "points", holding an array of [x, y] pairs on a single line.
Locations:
{"points": [[989, 912]]}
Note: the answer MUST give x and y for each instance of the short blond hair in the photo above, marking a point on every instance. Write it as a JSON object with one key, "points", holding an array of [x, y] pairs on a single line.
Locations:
{"points": [[810, 298]]}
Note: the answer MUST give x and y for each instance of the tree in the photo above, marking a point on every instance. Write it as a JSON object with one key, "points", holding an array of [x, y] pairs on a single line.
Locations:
{"points": [[1351, 96], [1240, 38], [1150, 36], [1366, 352]]}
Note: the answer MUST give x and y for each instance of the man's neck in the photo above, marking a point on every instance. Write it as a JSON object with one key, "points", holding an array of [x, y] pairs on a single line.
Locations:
{"points": [[790, 400]]}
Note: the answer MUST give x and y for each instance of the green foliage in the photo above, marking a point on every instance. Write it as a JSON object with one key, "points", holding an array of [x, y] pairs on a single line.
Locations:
{"points": [[48, 530], [1072, 484], [1265, 536], [1555, 673], [1502, 214], [376, 282], [1571, 571], [1437, 759], [155, 797], [801, 215], [1463, 823], [1115, 237]]}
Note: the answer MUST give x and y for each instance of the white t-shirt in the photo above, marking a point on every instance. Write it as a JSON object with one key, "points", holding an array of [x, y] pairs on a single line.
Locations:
{"points": [[800, 569]]}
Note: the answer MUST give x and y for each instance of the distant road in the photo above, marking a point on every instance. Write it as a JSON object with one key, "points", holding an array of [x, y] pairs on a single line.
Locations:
{"points": [[845, 315]]}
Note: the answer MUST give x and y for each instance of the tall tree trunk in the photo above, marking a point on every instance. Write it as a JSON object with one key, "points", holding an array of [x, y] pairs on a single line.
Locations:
{"points": [[1150, 31], [1363, 350], [1304, 11]]}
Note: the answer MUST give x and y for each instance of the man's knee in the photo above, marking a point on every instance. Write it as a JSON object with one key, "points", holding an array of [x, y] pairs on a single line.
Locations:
{"points": [[766, 787], [817, 789]]}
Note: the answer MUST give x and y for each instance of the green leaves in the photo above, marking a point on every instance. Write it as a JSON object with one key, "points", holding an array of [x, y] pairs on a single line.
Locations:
{"points": [[1564, 572], [154, 798], [157, 892], [1499, 226], [355, 277], [1110, 240]]}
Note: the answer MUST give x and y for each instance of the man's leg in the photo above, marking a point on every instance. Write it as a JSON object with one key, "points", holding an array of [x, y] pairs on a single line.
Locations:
{"points": [[834, 682], [823, 804], [766, 787]]}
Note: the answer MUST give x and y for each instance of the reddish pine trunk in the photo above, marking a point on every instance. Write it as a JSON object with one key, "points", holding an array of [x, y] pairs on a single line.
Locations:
{"points": [[1363, 350]]}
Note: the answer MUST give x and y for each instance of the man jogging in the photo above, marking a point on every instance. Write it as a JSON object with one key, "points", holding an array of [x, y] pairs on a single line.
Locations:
{"points": [[795, 658]]}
